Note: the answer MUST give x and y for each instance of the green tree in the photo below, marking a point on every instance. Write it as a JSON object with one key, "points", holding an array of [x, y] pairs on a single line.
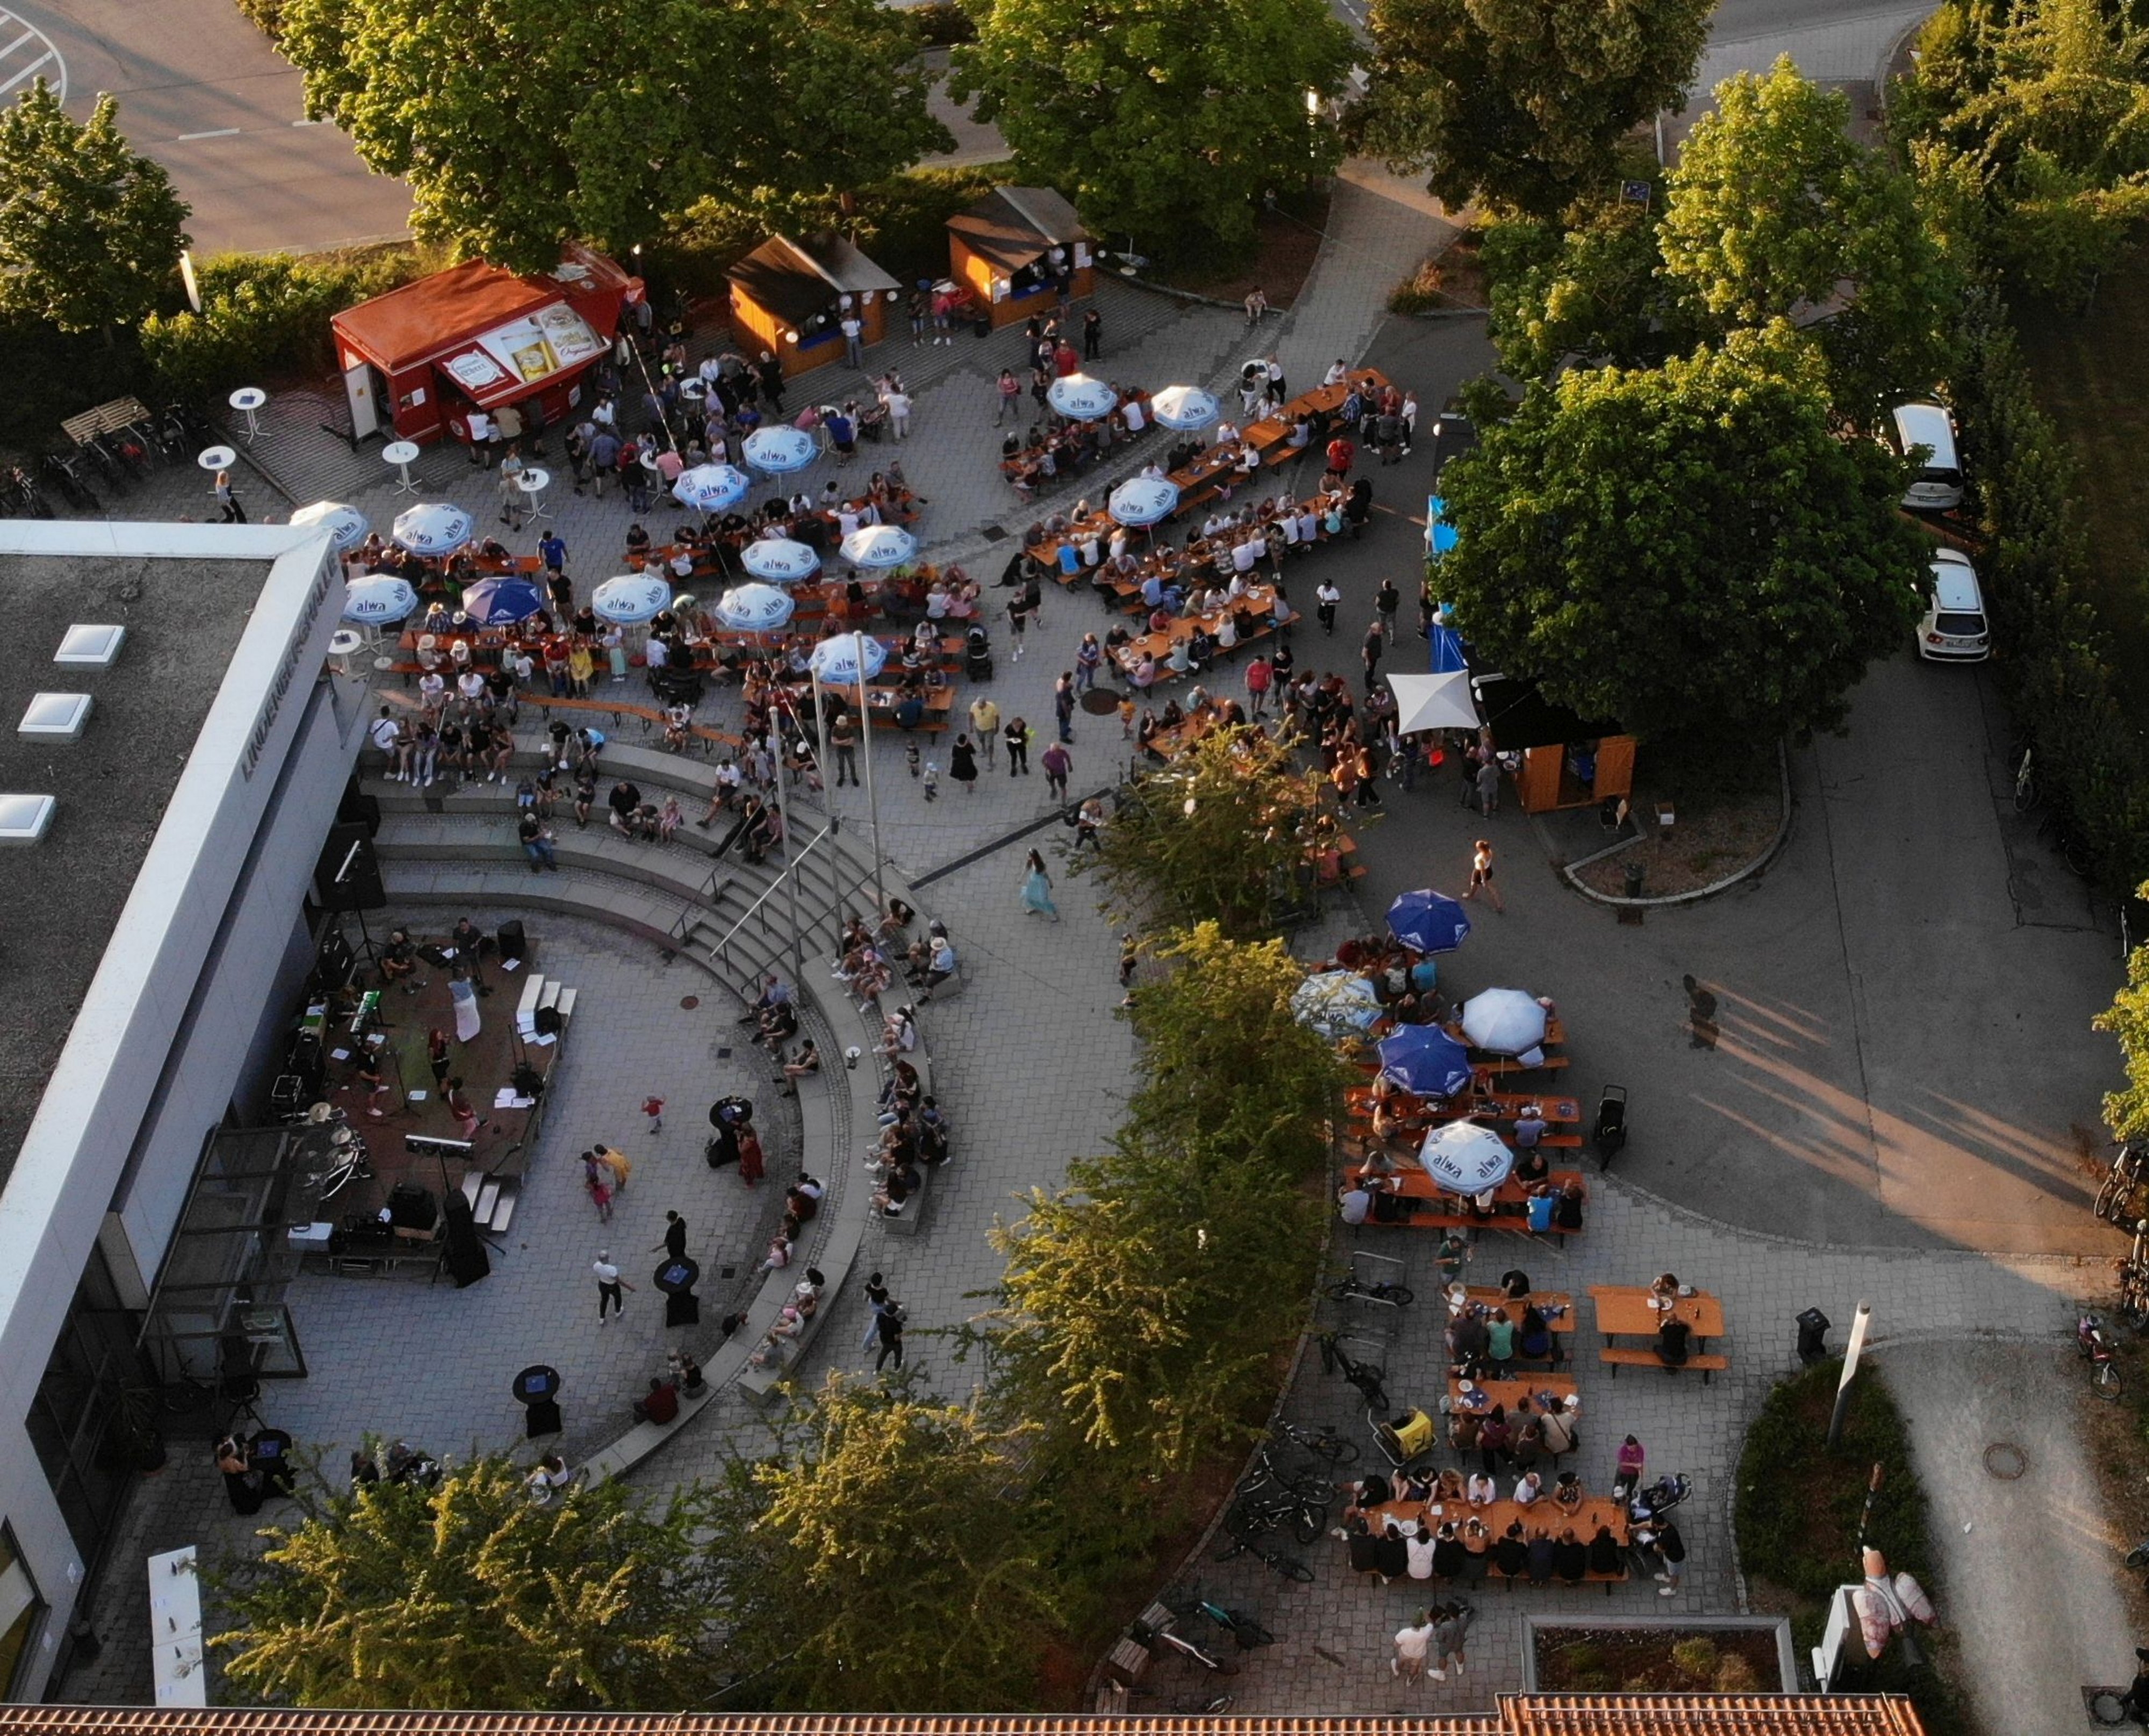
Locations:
{"points": [[467, 1595], [1776, 212], [1523, 103], [1589, 288], [1693, 550], [2127, 1112], [90, 234], [1218, 835], [753, 104], [1164, 119], [910, 1578]]}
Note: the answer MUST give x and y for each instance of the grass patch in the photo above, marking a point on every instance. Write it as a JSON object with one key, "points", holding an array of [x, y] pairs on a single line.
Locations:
{"points": [[1800, 1509], [2091, 374]]}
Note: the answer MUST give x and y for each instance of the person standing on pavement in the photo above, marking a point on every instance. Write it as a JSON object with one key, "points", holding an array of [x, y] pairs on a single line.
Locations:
{"points": [[853, 330], [1326, 597], [843, 739], [1451, 1631], [888, 1333], [1481, 875], [1093, 334], [877, 1298], [228, 509], [1663, 1539], [1018, 615], [1487, 780], [1386, 602], [1370, 649], [1260, 675], [609, 1285], [1063, 704], [1057, 763], [1413, 1640], [897, 403], [1017, 738], [1037, 888], [674, 1244], [985, 720], [963, 764], [1009, 392]]}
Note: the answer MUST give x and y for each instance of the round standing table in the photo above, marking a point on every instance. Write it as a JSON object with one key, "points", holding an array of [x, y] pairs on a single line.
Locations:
{"points": [[246, 401], [533, 482], [402, 454], [218, 458]]}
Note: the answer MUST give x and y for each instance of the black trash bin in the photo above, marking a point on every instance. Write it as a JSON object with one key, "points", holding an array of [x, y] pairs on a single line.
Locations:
{"points": [[982, 324], [1812, 1336], [1634, 879]]}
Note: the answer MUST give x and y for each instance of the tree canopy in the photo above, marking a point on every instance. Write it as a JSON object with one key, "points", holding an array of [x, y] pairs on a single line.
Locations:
{"points": [[90, 234], [1164, 119], [1694, 550], [1588, 286], [467, 1595], [1523, 103], [2127, 1112], [757, 104], [1775, 212]]}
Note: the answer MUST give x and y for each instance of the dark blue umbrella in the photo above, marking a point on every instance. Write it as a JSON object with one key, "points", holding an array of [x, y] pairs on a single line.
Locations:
{"points": [[497, 602], [1428, 921], [1424, 1059]]}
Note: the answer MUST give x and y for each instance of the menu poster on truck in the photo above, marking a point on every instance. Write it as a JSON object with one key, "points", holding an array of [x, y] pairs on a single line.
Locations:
{"points": [[540, 347], [475, 371]]}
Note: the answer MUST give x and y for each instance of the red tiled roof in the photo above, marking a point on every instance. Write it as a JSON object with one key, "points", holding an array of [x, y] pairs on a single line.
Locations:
{"points": [[1673, 1714]]}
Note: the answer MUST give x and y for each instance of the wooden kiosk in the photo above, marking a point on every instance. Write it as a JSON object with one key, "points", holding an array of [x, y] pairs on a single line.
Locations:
{"points": [[793, 296], [1013, 247], [1567, 762]]}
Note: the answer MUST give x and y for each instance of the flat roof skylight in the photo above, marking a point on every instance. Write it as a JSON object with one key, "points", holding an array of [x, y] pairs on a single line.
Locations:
{"points": [[93, 648], [25, 819]]}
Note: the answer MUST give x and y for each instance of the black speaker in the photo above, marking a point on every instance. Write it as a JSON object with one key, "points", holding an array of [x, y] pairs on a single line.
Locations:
{"points": [[348, 875], [335, 961], [466, 1259], [358, 808], [511, 940]]}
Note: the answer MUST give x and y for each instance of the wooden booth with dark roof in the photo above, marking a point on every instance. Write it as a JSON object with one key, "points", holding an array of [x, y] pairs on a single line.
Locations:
{"points": [[1567, 761], [792, 296], [1013, 246]]}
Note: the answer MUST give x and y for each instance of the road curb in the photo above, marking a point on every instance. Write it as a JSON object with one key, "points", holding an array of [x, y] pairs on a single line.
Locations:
{"points": [[1673, 900]]}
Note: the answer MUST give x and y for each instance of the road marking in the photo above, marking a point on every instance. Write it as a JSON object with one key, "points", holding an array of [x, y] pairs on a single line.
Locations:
{"points": [[213, 132], [42, 57]]}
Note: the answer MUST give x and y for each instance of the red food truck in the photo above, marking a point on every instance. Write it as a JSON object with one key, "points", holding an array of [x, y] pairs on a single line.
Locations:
{"points": [[418, 360]]}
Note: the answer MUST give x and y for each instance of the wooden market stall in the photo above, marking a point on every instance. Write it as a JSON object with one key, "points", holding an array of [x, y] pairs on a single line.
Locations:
{"points": [[1013, 246], [793, 296], [1566, 761], [418, 360]]}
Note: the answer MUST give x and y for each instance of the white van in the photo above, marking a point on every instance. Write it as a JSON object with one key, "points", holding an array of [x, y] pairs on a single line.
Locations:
{"points": [[1954, 630], [1937, 486]]}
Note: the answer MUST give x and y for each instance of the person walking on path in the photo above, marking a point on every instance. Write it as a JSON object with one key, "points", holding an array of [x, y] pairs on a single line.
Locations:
{"points": [[597, 1178], [1058, 763], [1451, 1632], [1487, 780], [985, 723], [511, 489], [1088, 659], [1037, 888], [674, 1244], [963, 764], [853, 330], [1386, 602], [1018, 615], [1010, 390], [1661, 1538], [1413, 1641], [1371, 649], [458, 1105], [877, 1298], [1093, 334], [1481, 875], [1063, 704], [843, 737], [888, 1332], [230, 512], [1260, 675], [1326, 597], [1017, 738], [609, 1285]]}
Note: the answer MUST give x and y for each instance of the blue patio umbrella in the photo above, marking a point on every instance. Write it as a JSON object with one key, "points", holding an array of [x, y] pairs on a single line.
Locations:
{"points": [[754, 608], [1080, 397], [781, 449], [1426, 921], [1423, 1059], [496, 602], [837, 661], [779, 560], [631, 599], [879, 546]]}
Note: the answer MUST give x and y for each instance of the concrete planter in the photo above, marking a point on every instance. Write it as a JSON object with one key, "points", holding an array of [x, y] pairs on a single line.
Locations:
{"points": [[1670, 1626]]}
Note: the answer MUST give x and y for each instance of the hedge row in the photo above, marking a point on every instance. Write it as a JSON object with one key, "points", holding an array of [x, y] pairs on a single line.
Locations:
{"points": [[2055, 663]]}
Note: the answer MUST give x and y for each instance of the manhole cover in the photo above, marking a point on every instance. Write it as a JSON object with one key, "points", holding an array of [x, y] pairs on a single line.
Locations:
{"points": [[689, 1002], [993, 533], [2005, 1460]]}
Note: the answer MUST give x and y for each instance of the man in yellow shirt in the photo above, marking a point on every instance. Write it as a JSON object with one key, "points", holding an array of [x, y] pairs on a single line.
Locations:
{"points": [[985, 720]]}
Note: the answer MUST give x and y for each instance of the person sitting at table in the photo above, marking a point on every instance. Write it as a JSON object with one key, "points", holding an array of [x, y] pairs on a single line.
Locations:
{"points": [[1556, 1419], [1664, 1291], [1479, 1490], [1143, 675], [1449, 1560], [1567, 1210], [1500, 1343], [1363, 1494], [1530, 1165], [1542, 1207], [1511, 1555], [1364, 1556], [1528, 1488], [1419, 1544], [1533, 1335], [1171, 717], [1179, 658], [1391, 1559], [1672, 1349], [1566, 1491], [1570, 1558]]}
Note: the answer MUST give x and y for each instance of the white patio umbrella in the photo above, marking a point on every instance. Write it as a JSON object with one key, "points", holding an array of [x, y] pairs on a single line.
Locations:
{"points": [[1433, 702], [1506, 1021], [1185, 408], [711, 487], [346, 525], [1465, 1158], [379, 598], [1336, 1005], [879, 546], [754, 608], [1081, 398], [433, 527], [631, 599], [778, 559], [1144, 501], [780, 449], [847, 659]]}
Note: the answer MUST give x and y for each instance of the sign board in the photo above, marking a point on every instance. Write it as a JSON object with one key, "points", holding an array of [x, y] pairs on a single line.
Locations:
{"points": [[1635, 193], [1842, 1623]]}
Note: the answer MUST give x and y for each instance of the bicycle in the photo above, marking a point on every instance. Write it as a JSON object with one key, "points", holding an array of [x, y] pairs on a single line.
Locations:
{"points": [[1151, 1638], [1245, 1632], [2120, 1185], [2025, 785], [1352, 1288], [1266, 1473], [1289, 1566], [1371, 1381], [2094, 1345], [1324, 1443], [1253, 1515]]}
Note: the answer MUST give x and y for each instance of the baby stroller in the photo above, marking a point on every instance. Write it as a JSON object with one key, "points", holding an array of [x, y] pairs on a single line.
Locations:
{"points": [[1610, 1133], [1406, 1441], [978, 665]]}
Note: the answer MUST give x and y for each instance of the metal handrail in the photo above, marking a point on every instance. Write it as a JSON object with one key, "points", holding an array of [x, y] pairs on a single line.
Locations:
{"points": [[814, 843]]}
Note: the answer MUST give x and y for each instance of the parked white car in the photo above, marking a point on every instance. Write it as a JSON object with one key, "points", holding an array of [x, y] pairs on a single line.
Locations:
{"points": [[1937, 485], [1954, 630]]}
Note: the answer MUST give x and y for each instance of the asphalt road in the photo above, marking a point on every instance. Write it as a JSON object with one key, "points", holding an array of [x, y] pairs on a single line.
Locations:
{"points": [[1899, 1051]]}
